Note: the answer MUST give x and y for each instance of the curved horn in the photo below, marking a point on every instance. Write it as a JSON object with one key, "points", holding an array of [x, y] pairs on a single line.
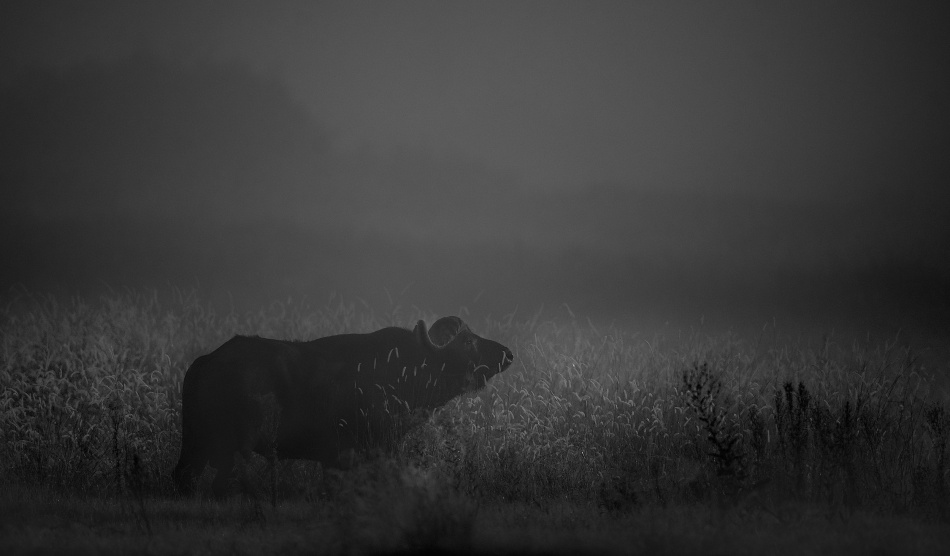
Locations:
{"points": [[422, 336], [445, 330]]}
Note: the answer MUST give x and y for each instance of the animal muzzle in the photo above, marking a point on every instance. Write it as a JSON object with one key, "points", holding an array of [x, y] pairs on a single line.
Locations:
{"points": [[506, 359]]}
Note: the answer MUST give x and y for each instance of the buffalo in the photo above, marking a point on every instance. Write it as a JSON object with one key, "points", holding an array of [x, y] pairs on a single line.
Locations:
{"points": [[326, 399]]}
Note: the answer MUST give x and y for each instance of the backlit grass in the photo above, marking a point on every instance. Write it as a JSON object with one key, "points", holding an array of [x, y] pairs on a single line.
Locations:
{"points": [[591, 430]]}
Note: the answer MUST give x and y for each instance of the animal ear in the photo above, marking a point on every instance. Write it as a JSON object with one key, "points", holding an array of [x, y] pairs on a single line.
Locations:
{"points": [[422, 336]]}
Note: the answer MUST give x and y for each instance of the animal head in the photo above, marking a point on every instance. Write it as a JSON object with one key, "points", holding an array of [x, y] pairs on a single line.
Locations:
{"points": [[452, 341]]}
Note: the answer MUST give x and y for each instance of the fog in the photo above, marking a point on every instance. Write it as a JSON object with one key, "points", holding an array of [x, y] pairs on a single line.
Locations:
{"points": [[657, 166]]}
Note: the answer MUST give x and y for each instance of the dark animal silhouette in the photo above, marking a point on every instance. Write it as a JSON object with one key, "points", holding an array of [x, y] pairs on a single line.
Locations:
{"points": [[325, 399]]}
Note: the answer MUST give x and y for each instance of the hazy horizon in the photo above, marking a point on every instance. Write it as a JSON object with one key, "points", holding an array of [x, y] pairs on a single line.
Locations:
{"points": [[660, 162]]}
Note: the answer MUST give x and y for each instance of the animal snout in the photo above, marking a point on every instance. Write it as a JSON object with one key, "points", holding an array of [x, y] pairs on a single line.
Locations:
{"points": [[506, 356]]}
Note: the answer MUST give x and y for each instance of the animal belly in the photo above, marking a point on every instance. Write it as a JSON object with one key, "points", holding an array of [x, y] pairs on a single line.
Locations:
{"points": [[309, 442]]}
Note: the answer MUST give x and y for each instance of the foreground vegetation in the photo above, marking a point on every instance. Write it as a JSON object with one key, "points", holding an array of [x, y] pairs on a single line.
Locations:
{"points": [[594, 438]]}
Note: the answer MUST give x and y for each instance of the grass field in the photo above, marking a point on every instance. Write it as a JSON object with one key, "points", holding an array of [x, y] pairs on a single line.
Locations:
{"points": [[595, 440]]}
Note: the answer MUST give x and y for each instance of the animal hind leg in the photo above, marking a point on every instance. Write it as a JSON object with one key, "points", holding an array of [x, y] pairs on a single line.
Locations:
{"points": [[224, 477], [191, 463], [187, 471]]}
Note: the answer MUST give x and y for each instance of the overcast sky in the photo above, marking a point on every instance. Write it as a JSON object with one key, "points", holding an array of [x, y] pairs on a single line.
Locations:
{"points": [[767, 97], [753, 137]]}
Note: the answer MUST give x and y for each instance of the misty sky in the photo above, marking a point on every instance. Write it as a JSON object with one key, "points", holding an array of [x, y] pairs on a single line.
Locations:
{"points": [[601, 146], [712, 95]]}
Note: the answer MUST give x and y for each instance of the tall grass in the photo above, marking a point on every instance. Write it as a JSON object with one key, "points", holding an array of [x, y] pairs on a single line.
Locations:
{"points": [[90, 403]]}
